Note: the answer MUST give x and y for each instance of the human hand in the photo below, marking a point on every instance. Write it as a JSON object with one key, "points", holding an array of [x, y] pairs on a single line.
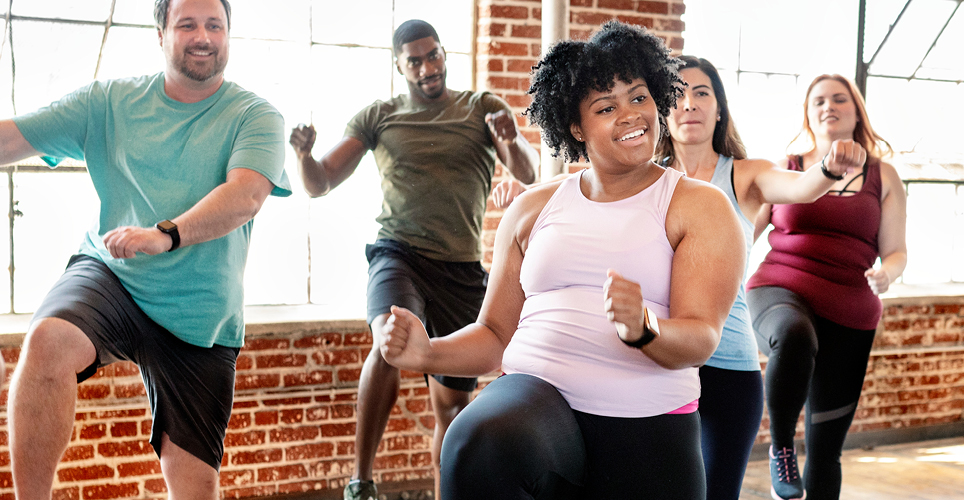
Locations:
{"points": [[124, 242], [502, 126], [404, 342], [845, 156], [623, 302], [878, 280], [302, 139], [506, 191]]}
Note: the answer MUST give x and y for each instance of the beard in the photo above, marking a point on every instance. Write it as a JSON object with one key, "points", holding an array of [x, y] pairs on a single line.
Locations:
{"points": [[201, 72], [416, 88]]}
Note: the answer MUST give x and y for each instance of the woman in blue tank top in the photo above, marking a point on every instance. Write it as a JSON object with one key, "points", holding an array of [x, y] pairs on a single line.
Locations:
{"points": [[704, 144]]}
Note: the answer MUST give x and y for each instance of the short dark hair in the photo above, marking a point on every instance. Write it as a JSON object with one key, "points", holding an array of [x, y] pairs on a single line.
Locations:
{"points": [[161, 7], [570, 69], [726, 140], [411, 30]]}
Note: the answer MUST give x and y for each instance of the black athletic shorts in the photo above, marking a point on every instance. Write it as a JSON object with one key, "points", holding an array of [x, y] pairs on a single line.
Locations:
{"points": [[446, 296], [190, 388]]}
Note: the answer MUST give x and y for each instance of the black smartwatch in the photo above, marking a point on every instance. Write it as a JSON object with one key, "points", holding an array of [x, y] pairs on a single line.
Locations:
{"points": [[170, 228], [650, 329]]}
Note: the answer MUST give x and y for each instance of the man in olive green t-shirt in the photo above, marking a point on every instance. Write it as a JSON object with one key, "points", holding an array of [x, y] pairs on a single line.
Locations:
{"points": [[435, 149]]}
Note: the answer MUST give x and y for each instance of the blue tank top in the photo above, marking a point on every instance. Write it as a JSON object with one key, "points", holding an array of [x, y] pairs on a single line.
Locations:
{"points": [[737, 349]]}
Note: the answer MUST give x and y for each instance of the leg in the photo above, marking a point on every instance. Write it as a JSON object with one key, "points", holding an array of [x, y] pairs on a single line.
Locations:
{"points": [[731, 407], [187, 476], [834, 394], [786, 333], [377, 393], [517, 441], [446, 405], [43, 393]]}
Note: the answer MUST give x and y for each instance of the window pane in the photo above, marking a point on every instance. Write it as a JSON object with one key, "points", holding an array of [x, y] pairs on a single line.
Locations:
{"points": [[911, 38], [287, 20], [57, 209], [6, 79], [342, 24], [945, 61], [928, 242], [130, 52], [53, 60], [5, 248], [452, 20], [87, 10], [134, 12]]}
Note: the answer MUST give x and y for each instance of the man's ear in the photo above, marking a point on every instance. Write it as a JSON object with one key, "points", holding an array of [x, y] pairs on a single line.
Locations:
{"points": [[160, 37], [398, 67]]}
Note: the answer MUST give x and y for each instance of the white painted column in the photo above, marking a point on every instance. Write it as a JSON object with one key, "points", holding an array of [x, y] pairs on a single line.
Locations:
{"points": [[555, 27]]}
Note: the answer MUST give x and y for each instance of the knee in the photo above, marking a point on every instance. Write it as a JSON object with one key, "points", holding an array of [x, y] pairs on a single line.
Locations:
{"points": [[794, 334], [53, 342]]}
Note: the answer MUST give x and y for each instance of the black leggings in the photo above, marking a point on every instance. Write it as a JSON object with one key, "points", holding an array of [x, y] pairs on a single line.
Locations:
{"points": [[731, 407], [815, 361], [520, 440]]}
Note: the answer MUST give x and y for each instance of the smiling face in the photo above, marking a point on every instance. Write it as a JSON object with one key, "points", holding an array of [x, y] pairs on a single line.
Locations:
{"points": [[694, 119], [422, 63], [831, 112], [195, 42], [620, 127]]}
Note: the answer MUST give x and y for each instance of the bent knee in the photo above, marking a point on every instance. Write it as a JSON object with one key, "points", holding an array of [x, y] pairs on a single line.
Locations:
{"points": [[57, 342]]}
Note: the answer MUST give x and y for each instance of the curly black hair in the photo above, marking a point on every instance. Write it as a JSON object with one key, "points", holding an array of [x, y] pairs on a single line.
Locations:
{"points": [[570, 69]]}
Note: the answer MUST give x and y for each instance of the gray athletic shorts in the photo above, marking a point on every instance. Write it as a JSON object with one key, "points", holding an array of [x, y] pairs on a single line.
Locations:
{"points": [[445, 295], [190, 388]]}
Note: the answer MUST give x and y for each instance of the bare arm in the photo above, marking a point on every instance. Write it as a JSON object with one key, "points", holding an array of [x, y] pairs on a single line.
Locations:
{"points": [[13, 146], [891, 239], [513, 150], [707, 270], [476, 349], [781, 186], [223, 210], [320, 177]]}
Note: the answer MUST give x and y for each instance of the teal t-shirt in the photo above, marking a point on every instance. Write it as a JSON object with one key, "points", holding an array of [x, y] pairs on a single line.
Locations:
{"points": [[152, 158]]}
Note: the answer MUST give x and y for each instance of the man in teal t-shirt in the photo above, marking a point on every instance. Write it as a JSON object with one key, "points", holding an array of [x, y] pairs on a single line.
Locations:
{"points": [[181, 162]]}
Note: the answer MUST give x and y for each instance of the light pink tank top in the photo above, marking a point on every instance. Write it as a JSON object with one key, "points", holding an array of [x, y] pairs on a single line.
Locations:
{"points": [[564, 336]]}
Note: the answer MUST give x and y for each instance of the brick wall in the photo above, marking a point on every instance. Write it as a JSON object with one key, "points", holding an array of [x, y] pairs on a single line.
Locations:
{"points": [[292, 429]]}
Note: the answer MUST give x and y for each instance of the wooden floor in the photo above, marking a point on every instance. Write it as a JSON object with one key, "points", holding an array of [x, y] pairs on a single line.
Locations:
{"points": [[929, 470]]}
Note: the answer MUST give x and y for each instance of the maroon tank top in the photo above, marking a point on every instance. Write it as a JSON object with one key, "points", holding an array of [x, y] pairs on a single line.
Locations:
{"points": [[821, 250]]}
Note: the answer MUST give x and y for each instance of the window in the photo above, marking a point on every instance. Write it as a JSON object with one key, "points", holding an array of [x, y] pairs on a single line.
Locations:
{"points": [[317, 61], [768, 53]]}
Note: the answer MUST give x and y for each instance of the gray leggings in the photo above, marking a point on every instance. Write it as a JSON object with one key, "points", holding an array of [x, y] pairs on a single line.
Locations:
{"points": [[520, 440]]}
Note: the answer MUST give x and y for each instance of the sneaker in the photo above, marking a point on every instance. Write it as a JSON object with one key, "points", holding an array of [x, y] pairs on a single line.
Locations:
{"points": [[785, 480], [361, 490]]}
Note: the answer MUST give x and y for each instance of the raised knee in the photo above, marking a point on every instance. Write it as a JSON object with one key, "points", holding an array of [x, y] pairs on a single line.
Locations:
{"points": [[56, 342]]}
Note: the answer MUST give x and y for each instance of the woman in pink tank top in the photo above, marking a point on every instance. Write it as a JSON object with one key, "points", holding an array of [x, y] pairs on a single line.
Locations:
{"points": [[581, 270], [814, 298]]}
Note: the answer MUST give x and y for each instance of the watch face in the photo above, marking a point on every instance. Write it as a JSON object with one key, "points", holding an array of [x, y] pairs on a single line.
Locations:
{"points": [[166, 226]]}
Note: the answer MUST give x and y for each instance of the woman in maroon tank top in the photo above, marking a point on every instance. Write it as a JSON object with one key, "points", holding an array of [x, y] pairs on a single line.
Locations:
{"points": [[814, 298]]}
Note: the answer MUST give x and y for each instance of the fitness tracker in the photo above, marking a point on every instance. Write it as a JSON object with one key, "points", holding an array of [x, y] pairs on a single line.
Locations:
{"points": [[650, 329], [170, 228]]}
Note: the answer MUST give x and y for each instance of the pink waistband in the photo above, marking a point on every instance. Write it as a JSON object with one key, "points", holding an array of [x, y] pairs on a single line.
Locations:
{"points": [[687, 408]]}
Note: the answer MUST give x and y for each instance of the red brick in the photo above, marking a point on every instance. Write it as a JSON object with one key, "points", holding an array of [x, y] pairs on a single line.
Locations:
{"points": [[255, 491], [335, 430], [95, 431], [494, 65], [237, 477], [257, 381], [492, 29], [670, 25], [342, 411], [266, 344], [105, 491], [282, 473], [72, 493], [125, 391], [288, 434], [645, 22], [82, 452], [286, 401], [416, 405], [351, 375], [508, 49], [117, 414], [302, 487], [337, 357], [125, 369], [324, 341], [281, 361], [617, 4], [92, 391], [155, 486], [292, 416], [314, 377], [308, 451], [266, 418], [678, 9], [146, 426], [526, 31], [124, 448], [397, 461], [244, 404], [503, 12], [84, 473], [591, 18], [421, 460], [139, 468], [520, 65], [234, 439], [400, 425], [358, 339], [239, 421], [123, 429], [244, 363], [256, 457], [428, 421]]}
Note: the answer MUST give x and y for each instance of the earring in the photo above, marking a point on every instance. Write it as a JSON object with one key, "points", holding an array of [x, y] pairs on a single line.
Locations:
{"points": [[718, 117]]}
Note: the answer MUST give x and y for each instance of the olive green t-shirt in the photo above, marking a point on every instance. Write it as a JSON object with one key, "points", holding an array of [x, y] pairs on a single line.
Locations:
{"points": [[436, 163]]}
